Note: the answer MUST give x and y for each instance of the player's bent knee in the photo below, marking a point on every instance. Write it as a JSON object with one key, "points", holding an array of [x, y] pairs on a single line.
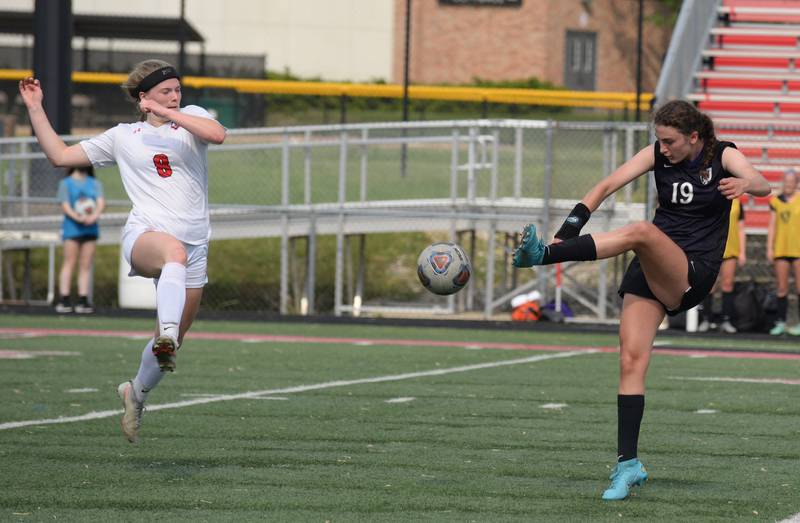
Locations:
{"points": [[176, 253], [640, 231]]}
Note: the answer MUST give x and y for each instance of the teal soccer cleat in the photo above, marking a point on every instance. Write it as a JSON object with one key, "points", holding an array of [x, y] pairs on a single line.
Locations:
{"points": [[626, 474], [531, 249]]}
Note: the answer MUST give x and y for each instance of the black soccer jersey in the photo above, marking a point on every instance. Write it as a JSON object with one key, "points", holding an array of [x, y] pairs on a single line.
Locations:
{"points": [[692, 211]]}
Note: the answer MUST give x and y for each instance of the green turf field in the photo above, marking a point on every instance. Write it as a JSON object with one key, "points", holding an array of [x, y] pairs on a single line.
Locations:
{"points": [[321, 422]]}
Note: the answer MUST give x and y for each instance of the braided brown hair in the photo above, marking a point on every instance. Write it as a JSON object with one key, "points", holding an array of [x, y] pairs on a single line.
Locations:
{"points": [[685, 117]]}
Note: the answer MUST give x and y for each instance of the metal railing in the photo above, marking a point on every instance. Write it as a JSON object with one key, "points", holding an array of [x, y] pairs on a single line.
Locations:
{"points": [[475, 182]]}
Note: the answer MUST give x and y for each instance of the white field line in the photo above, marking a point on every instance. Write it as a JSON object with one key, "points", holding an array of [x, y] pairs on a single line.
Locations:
{"points": [[553, 406], [298, 388], [404, 399], [773, 381], [792, 519]]}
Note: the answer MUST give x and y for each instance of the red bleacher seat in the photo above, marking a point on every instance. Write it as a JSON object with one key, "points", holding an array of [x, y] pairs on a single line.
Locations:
{"points": [[764, 63], [761, 201], [756, 215], [724, 41], [771, 153], [748, 107], [773, 173], [737, 11], [758, 134], [750, 86], [743, 83], [757, 220]]}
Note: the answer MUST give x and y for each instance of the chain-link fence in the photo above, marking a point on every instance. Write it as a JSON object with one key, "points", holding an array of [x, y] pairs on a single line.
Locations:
{"points": [[332, 218]]}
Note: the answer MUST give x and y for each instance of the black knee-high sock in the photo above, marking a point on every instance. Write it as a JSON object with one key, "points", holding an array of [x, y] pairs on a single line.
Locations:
{"points": [[581, 248], [783, 304], [727, 306], [630, 409]]}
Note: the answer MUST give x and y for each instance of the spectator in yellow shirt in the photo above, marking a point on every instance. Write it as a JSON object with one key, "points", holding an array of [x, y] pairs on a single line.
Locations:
{"points": [[733, 257], [783, 247]]}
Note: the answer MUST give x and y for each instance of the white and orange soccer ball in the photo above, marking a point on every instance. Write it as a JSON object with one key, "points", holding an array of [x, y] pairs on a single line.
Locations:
{"points": [[443, 268]]}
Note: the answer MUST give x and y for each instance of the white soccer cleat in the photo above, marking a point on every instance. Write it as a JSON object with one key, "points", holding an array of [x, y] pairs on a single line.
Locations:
{"points": [[164, 349], [132, 417]]}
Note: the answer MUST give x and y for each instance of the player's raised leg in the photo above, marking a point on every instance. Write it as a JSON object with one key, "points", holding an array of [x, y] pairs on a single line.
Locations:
{"points": [[663, 262], [160, 255]]}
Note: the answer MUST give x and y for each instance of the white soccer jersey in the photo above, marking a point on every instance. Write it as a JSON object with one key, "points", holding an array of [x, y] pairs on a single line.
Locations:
{"points": [[165, 173]]}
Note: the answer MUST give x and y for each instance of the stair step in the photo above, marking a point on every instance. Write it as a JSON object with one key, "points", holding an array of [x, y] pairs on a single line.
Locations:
{"points": [[762, 11]]}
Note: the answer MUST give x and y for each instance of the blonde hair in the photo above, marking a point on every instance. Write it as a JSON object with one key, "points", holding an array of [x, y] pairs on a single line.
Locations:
{"points": [[135, 77]]}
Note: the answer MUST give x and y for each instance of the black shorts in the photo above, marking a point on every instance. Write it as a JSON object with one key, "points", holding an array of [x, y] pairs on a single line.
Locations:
{"points": [[789, 259], [702, 275], [83, 238]]}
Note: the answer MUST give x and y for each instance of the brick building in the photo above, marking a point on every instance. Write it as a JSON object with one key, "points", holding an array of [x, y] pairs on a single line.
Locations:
{"points": [[579, 44]]}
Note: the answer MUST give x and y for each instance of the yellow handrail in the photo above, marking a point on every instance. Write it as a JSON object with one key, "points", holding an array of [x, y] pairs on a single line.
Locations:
{"points": [[598, 99]]}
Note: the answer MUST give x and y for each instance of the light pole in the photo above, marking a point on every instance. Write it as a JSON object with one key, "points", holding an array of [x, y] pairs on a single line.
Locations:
{"points": [[406, 59], [640, 23], [182, 39]]}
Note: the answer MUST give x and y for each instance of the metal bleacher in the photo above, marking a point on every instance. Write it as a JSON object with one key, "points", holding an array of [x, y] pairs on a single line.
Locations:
{"points": [[748, 81]]}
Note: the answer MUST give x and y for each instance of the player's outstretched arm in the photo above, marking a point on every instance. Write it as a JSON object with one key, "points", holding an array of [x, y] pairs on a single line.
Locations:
{"points": [[641, 163], [59, 154], [204, 128]]}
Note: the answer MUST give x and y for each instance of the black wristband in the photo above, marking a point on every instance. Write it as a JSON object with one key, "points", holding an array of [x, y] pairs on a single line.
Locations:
{"points": [[574, 223]]}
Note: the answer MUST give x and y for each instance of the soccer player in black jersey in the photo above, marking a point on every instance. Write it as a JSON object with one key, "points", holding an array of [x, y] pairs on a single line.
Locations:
{"points": [[678, 255]]}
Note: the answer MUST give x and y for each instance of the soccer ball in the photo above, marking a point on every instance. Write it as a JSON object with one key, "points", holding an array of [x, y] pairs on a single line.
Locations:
{"points": [[85, 206], [443, 268]]}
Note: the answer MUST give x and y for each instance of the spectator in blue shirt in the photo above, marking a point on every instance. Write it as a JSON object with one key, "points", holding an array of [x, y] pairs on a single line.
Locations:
{"points": [[81, 197]]}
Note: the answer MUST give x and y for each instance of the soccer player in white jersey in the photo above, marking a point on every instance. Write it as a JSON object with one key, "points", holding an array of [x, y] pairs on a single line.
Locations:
{"points": [[162, 160]]}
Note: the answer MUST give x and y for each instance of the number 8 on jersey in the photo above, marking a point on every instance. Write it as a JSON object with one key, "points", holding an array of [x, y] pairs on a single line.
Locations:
{"points": [[163, 168]]}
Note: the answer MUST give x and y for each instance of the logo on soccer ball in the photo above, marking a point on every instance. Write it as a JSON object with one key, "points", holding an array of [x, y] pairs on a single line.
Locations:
{"points": [[440, 261], [462, 277], [443, 268]]}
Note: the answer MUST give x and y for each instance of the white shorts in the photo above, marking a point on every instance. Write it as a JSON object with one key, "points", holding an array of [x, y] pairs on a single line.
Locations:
{"points": [[196, 255]]}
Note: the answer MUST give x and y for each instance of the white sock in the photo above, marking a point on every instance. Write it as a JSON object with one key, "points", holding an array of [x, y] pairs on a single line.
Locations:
{"points": [[170, 298], [149, 373]]}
